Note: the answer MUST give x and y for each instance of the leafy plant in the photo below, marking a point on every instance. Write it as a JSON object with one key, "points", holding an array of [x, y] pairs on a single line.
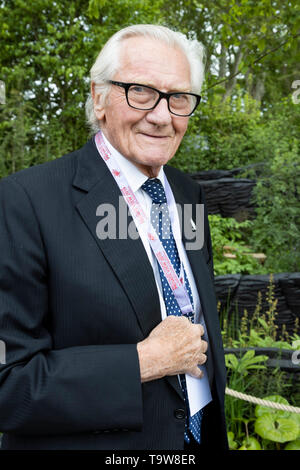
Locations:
{"points": [[294, 445], [247, 362], [249, 374], [260, 330], [276, 227], [250, 443], [275, 425], [239, 378], [231, 442], [229, 232]]}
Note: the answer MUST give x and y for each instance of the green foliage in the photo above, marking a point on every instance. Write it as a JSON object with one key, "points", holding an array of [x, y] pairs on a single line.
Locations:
{"points": [[276, 425], [48, 50], [263, 427], [231, 442], [259, 330], [250, 443], [241, 379], [294, 445], [236, 134], [247, 362], [227, 232], [276, 227], [221, 135], [240, 37], [232, 134]]}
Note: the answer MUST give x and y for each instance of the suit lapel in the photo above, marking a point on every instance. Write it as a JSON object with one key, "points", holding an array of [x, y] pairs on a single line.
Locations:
{"points": [[127, 257]]}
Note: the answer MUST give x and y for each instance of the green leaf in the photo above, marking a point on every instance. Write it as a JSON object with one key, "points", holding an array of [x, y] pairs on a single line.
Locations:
{"points": [[261, 44], [276, 429], [261, 410], [263, 323], [293, 445], [254, 360], [296, 417], [263, 28], [248, 355], [231, 442], [231, 361], [250, 443], [296, 344]]}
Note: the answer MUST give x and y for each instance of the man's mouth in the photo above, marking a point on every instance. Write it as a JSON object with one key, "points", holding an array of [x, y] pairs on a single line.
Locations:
{"points": [[153, 136]]}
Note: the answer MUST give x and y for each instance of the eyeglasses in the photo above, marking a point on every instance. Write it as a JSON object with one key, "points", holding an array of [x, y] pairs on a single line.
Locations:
{"points": [[146, 98]]}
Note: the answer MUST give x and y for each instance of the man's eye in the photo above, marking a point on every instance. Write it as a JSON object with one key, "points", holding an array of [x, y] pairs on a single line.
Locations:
{"points": [[138, 89], [180, 96]]}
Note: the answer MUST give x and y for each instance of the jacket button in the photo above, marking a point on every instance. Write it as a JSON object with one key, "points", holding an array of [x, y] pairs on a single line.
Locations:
{"points": [[179, 413]]}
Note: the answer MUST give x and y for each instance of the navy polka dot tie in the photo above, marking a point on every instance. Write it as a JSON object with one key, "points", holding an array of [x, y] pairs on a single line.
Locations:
{"points": [[160, 220]]}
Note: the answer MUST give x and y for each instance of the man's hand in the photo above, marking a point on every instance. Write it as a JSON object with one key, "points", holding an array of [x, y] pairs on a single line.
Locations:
{"points": [[173, 347]]}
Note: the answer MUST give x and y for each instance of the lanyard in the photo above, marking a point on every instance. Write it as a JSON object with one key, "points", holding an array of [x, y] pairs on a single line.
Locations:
{"points": [[176, 284]]}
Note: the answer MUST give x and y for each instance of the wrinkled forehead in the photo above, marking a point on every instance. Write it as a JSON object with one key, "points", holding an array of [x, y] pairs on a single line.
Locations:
{"points": [[149, 61]]}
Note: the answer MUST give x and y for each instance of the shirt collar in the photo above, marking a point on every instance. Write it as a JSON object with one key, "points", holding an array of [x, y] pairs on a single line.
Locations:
{"points": [[133, 175]]}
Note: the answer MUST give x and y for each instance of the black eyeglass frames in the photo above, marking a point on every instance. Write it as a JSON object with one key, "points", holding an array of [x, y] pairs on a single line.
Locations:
{"points": [[145, 98]]}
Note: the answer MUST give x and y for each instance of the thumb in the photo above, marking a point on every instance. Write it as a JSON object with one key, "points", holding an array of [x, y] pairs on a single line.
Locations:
{"points": [[196, 372]]}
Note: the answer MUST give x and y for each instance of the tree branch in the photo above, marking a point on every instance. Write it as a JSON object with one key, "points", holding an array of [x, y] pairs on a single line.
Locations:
{"points": [[258, 59]]}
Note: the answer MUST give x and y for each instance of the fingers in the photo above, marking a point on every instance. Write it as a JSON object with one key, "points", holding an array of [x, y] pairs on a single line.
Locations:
{"points": [[201, 329], [202, 359], [196, 372], [204, 346]]}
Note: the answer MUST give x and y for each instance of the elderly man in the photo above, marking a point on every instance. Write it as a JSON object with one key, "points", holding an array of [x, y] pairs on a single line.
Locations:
{"points": [[113, 342]]}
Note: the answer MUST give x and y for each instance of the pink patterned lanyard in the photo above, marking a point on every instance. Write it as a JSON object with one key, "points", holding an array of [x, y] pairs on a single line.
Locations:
{"points": [[176, 284]]}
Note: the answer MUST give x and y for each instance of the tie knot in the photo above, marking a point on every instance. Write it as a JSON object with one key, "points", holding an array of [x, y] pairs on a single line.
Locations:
{"points": [[155, 190]]}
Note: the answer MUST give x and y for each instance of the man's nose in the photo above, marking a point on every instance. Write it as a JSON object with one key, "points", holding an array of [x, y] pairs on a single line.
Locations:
{"points": [[160, 114]]}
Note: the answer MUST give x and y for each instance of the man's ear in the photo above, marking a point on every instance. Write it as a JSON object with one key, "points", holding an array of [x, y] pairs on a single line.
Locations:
{"points": [[98, 107]]}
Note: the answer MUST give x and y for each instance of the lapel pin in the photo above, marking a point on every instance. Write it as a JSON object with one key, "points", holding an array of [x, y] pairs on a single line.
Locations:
{"points": [[194, 228]]}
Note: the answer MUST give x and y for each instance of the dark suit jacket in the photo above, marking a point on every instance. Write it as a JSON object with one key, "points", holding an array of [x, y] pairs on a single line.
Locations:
{"points": [[72, 309]]}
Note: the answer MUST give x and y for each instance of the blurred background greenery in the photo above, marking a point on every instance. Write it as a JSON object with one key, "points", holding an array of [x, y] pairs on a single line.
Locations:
{"points": [[249, 115]]}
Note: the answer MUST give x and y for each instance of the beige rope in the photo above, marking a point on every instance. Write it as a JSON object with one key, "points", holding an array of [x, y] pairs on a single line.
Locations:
{"points": [[260, 401]]}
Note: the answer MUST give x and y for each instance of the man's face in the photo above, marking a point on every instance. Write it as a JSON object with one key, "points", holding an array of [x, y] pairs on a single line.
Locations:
{"points": [[148, 138]]}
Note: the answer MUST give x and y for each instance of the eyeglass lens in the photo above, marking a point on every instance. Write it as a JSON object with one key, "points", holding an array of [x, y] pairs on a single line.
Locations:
{"points": [[142, 97]]}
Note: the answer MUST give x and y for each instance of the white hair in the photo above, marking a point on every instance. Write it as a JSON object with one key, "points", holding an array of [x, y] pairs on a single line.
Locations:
{"points": [[108, 60]]}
